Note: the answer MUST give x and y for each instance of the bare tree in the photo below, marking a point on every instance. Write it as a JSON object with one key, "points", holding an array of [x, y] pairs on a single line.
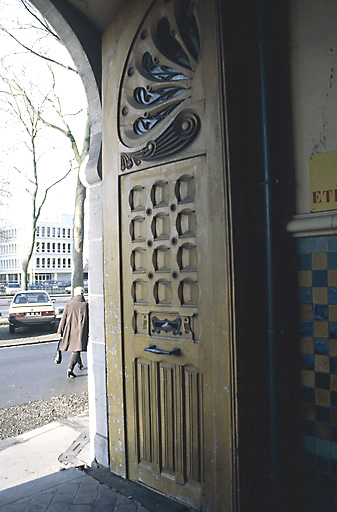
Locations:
{"points": [[25, 105], [38, 48]]}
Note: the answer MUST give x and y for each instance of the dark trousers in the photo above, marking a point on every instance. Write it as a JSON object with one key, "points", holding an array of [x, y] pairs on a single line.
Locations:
{"points": [[74, 359]]}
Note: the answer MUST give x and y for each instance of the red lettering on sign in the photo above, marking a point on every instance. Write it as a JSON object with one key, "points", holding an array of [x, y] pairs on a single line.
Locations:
{"points": [[316, 197]]}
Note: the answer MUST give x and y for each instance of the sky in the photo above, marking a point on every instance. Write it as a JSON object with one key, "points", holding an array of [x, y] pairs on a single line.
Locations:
{"points": [[53, 149]]}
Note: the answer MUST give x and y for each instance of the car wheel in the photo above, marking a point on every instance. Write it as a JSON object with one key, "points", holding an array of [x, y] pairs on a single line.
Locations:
{"points": [[11, 329]]}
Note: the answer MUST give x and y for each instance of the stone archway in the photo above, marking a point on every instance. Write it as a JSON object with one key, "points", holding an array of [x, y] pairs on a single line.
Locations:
{"points": [[83, 44]]}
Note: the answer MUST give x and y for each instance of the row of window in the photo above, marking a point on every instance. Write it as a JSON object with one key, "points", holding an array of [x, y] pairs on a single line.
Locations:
{"points": [[53, 232], [7, 234], [53, 247], [8, 249], [8, 264], [53, 262]]}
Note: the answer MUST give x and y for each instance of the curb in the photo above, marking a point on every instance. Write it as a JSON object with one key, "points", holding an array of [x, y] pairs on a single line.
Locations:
{"points": [[28, 341]]}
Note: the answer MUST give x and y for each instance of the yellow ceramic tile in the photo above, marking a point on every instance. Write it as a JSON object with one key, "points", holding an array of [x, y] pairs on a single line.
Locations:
{"points": [[322, 364], [306, 312], [321, 329], [333, 413], [320, 295], [323, 397], [308, 378], [307, 345], [334, 382], [332, 278], [309, 411], [333, 313], [333, 347], [304, 278], [323, 431], [319, 261]]}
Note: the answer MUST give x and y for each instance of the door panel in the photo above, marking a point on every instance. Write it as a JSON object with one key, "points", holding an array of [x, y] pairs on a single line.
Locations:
{"points": [[160, 303]]}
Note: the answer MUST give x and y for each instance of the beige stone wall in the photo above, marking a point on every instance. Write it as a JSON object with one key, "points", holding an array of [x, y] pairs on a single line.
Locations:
{"points": [[313, 69]]}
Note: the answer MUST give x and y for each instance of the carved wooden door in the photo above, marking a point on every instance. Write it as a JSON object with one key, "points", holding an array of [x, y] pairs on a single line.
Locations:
{"points": [[167, 236]]}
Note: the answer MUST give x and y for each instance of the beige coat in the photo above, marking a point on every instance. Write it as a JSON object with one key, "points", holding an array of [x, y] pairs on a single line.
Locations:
{"points": [[74, 325]]}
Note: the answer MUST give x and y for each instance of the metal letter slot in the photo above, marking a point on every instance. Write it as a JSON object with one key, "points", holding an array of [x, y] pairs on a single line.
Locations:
{"points": [[154, 350], [172, 326]]}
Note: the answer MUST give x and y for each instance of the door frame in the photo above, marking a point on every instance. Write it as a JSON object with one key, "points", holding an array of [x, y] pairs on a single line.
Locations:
{"points": [[221, 488]]}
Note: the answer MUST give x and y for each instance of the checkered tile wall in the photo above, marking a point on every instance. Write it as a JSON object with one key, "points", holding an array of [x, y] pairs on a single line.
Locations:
{"points": [[317, 285]]}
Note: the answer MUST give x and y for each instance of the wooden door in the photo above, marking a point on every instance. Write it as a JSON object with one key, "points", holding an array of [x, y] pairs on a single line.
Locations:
{"points": [[167, 254]]}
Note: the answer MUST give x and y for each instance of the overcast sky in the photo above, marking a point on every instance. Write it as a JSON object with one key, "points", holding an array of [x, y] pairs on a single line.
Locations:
{"points": [[54, 149]]}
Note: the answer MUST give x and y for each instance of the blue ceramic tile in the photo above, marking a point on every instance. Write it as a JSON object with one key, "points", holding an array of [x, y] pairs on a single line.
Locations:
{"points": [[324, 465], [304, 245], [334, 435], [333, 398], [304, 261], [321, 346], [308, 362], [320, 278], [308, 395], [333, 365], [305, 295], [319, 244], [310, 461], [333, 330], [321, 312], [332, 260], [322, 380], [306, 328], [323, 447], [332, 295], [309, 444], [322, 414], [332, 243], [334, 450]]}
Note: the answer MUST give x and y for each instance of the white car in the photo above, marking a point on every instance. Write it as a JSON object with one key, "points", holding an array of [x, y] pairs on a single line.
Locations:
{"points": [[12, 288], [31, 308]]}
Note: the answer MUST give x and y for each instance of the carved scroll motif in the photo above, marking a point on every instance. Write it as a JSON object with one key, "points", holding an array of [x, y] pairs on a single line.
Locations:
{"points": [[177, 137], [157, 81]]}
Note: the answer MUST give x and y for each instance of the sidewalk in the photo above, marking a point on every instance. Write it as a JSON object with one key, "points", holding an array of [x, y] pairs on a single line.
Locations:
{"points": [[45, 470]]}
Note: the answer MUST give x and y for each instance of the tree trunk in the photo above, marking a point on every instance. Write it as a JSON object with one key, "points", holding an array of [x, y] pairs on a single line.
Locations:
{"points": [[77, 277]]}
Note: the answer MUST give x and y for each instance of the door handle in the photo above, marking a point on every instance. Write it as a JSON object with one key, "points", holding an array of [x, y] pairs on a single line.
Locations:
{"points": [[155, 350]]}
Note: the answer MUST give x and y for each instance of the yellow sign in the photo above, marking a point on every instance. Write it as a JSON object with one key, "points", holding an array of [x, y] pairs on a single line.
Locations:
{"points": [[323, 181]]}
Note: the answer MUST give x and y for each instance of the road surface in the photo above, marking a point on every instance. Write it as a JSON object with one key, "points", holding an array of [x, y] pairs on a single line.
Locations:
{"points": [[28, 373]]}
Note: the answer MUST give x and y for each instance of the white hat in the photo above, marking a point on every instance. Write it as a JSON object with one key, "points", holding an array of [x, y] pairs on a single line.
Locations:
{"points": [[78, 291]]}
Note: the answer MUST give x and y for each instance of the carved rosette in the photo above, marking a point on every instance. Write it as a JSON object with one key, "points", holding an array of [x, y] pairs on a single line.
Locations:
{"points": [[155, 108]]}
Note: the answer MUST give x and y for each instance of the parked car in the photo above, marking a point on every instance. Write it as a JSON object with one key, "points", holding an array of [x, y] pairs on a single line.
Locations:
{"points": [[12, 288], [31, 308]]}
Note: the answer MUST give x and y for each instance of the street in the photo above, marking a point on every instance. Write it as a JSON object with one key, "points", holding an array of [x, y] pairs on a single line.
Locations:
{"points": [[28, 373]]}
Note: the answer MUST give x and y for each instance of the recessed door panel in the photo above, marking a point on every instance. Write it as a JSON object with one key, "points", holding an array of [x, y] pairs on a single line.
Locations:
{"points": [[164, 381]]}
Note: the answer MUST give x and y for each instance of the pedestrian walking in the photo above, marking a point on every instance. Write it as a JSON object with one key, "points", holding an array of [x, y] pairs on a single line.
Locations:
{"points": [[74, 329]]}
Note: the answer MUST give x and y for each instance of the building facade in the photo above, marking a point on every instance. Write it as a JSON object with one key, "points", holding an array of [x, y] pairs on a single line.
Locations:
{"points": [[212, 246], [52, 255]]}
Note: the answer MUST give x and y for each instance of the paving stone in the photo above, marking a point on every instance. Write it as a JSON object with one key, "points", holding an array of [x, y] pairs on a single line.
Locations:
{"points": [[81, 508], [43, 498], [18, 506], [107, 497], [132, 507], [103, 508], [58, 507]]}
